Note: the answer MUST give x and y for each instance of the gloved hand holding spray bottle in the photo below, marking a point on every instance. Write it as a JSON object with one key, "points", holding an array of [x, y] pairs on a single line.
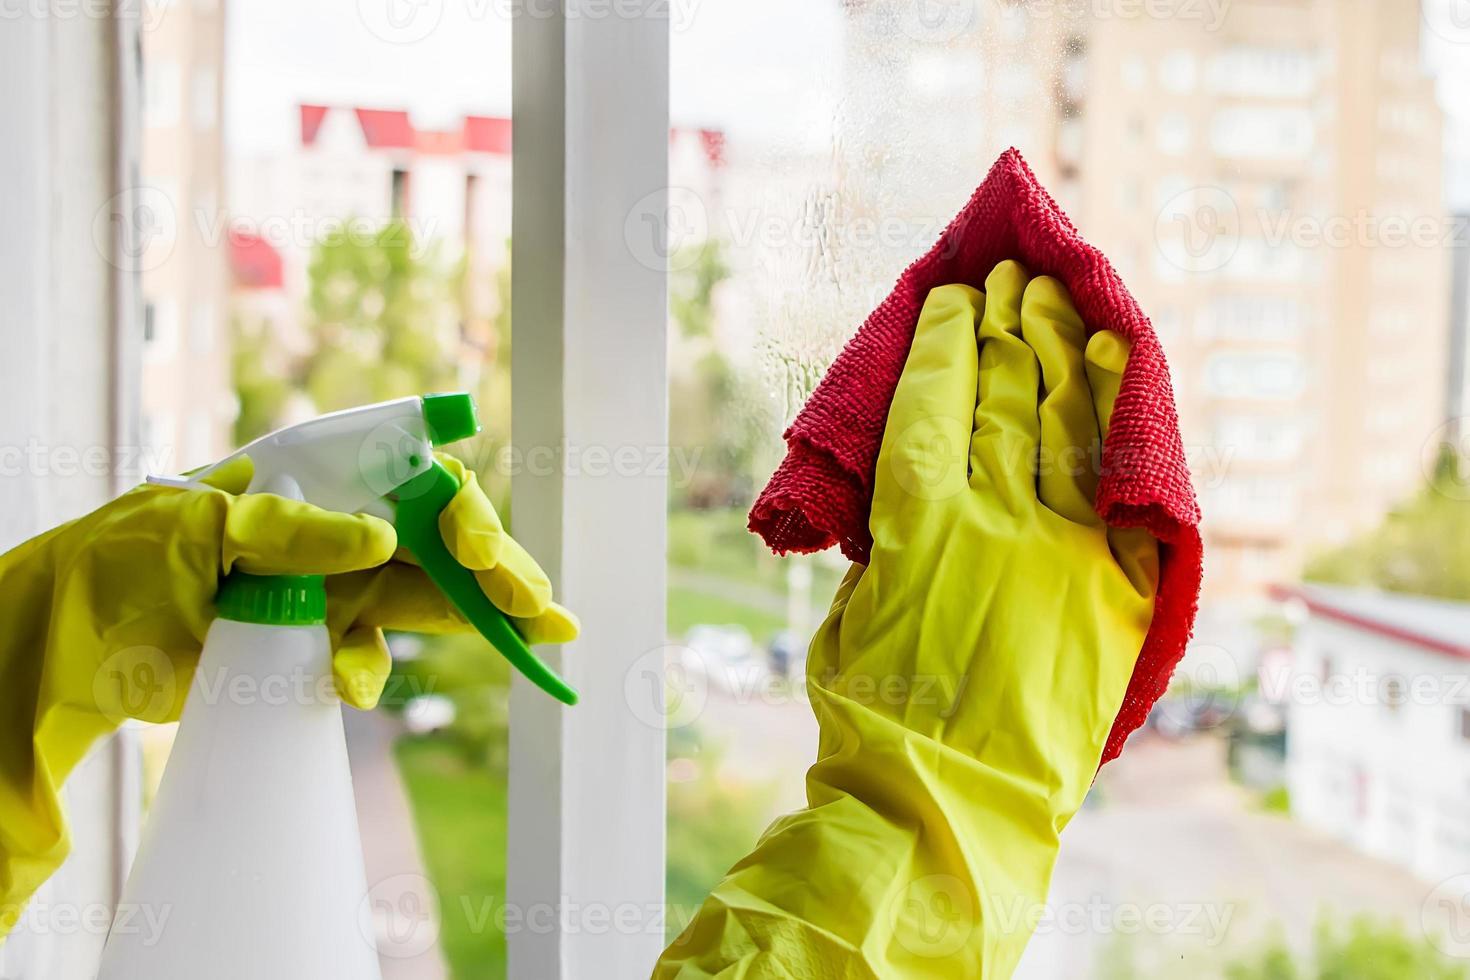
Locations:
{"points": [[252, 844]]}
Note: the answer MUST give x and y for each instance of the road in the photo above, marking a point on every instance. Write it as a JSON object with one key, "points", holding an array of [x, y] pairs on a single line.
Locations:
{"points": [[403, 909], [1166, 838]]}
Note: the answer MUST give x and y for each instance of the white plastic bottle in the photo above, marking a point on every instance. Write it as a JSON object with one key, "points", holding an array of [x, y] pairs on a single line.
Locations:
{"points": [[251, 862]]}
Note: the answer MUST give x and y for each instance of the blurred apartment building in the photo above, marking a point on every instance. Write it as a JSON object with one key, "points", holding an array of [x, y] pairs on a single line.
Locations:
{"points": [[1267, 177], [1272, 191], [358, 168], [361, 167], [187, 402]]}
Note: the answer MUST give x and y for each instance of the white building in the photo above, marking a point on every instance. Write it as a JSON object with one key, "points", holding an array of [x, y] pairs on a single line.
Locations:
{"points": [[1378, 715]]}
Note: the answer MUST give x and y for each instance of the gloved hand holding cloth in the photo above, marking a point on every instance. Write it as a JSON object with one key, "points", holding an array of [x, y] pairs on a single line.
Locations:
{"points": [[966, 678], [1016, 516], [105, 618]]}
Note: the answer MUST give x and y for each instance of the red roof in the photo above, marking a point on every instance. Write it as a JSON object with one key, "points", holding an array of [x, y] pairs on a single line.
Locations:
{"points": [[487, 134], [393, 129], [1409, 619], [311, 122], [387, 129], [254, 261]]}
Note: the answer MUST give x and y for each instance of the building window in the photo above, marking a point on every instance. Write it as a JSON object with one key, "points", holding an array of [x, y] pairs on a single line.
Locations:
{"points": [[161, 94], [150, 323], [399, 200], [1393, 695]]}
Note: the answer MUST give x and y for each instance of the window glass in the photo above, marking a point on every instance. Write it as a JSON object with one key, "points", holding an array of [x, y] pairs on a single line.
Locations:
{"points": [[328, 224], [1269, 184]]}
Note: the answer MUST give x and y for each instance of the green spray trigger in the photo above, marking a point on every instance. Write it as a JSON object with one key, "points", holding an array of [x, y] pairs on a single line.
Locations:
{"points": [[418, 504]]}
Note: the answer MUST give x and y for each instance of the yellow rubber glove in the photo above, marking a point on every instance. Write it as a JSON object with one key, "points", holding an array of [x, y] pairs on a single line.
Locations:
{"points": [[966, 679], [105, 618]]}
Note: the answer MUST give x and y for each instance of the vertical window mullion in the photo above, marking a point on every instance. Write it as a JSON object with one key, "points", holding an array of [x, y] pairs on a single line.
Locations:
{"points": [[589, 432]]}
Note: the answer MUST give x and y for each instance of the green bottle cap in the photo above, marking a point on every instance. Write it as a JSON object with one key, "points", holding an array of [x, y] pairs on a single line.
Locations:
{"points": [[275, 600], [450, 417]]}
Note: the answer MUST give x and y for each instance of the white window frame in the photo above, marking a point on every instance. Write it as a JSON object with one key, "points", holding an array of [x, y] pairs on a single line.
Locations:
{"points": [[588, 375], [586, 837], [71, 332]]}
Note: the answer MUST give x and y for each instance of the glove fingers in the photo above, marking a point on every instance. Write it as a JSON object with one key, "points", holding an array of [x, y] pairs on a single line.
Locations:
{"points": [[555, 624], [394, 597], [1107, 356], [1007, 430], [476, 538], [517, 586], [269, 535], [231, 477], [1135, 550], [470, 526], [928, 430], [1066, 479], [360, 667]]}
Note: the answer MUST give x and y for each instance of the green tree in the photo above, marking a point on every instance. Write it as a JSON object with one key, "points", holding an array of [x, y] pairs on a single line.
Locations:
{"points": [[383, 319], [1362, 950], [721, 417], [1419, 548]]}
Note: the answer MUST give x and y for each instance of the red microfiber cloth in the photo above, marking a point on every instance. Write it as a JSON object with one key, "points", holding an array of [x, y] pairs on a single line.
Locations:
{"points": [[821, 493]]}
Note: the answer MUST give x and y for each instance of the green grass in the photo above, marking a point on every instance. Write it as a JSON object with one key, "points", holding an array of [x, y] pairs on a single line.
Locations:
{"points": [[690, 607], [717, 542], [460, 809], [1277, 800]]}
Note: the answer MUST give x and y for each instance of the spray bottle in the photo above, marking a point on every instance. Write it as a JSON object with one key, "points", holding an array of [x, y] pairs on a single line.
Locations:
{"points": [[251, 857]]}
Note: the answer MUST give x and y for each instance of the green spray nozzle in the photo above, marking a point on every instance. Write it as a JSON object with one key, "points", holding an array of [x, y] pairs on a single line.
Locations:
{"points": [[419, 503], [378, 459]]}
